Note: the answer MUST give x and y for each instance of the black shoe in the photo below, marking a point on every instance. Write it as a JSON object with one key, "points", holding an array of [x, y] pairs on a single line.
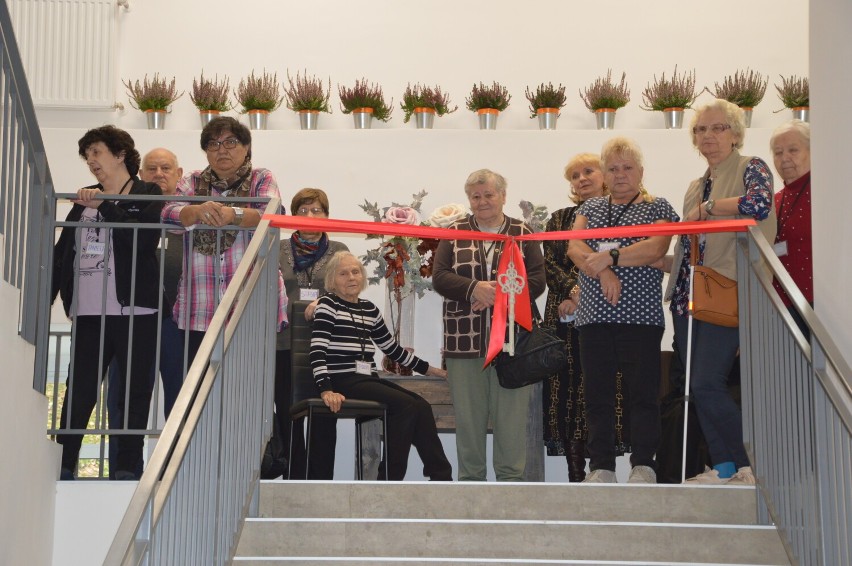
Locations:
{"points": [[66, 474]]}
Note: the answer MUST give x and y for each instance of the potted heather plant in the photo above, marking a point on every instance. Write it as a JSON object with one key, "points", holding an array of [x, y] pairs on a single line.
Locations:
{"points": [[743, 88], [604, 97], [795, 93], [364, 101], [306, 96], [425, 102], [259, 95], [210, 97], [671, 96], [545, 103], [153, 98], [488, 102]]}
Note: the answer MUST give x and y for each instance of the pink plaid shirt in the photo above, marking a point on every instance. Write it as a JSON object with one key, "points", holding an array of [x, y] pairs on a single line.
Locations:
{"points": [[206, 287]]}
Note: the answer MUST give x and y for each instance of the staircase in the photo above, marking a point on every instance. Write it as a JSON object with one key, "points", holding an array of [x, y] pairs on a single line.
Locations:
{"points": [[413, 523]]}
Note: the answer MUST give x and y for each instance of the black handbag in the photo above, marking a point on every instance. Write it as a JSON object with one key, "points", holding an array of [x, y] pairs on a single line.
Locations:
{"points": [[538, 355]]}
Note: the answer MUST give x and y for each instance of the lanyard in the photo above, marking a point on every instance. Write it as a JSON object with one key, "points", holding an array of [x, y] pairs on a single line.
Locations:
{"points": [[360, 329], [623, 212], [783, 218]]}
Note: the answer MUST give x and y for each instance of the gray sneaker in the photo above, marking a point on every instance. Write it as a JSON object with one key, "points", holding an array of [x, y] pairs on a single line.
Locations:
{"points": [[601, 476], [642, 474]]}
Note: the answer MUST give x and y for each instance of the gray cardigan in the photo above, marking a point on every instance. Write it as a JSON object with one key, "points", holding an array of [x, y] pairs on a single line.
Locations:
{"points": [[294, 282]]}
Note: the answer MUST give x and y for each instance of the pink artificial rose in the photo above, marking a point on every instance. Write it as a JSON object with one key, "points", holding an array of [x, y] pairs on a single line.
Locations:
{"points": [[402, 215], [444, 216]]}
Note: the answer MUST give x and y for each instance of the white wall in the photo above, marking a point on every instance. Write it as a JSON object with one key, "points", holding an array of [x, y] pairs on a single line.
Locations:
{"points": [[832, 198]]}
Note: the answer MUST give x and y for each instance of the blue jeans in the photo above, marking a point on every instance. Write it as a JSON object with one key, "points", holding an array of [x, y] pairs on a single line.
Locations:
{"points": [[714, 352]]}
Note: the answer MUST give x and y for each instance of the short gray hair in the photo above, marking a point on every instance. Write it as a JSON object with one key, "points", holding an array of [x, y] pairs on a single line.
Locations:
{"points": [[733, 115], [486, 177], [334, 264], [801, 128]]}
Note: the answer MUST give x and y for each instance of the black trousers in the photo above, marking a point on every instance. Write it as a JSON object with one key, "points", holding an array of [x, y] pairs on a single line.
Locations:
{"points": [[81, 394], [635, 350], [410, 422], [323, 431]]}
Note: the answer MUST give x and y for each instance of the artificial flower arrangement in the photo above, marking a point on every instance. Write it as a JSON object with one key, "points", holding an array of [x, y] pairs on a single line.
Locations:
{"points": [[535, 215]]}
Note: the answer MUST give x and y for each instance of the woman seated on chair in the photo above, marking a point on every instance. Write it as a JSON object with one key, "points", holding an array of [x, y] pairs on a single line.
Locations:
{"points": [[346, 328]]}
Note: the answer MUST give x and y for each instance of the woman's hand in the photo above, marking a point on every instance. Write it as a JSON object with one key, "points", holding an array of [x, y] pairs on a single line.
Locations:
{"points": [[695, 213], [483, 295], [214, 214], [310, 309], [596, 262], [610, 286], [436, 372], [332, 400], [568, 306], [86, 197]]}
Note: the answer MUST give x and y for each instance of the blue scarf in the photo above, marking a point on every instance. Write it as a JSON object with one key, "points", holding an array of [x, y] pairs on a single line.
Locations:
{"points": [[306, 253]]}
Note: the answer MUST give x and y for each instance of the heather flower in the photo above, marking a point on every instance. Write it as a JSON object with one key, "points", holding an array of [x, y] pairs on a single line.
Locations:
{"points": [[307, 93], [154, 95], [603, 93], [743, 89], [677, 92], [495, 96], [259, 93], [545, 96], [210, 95], [421, 96], [365, 95], [794, 91]]}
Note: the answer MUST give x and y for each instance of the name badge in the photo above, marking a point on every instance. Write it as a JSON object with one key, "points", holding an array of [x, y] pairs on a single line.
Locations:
{"points": [[95, 248], [606, 246], [780, 248], [363, 367], [308, 294]]}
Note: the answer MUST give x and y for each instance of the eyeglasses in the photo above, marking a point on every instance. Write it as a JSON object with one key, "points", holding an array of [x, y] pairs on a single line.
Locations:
{"points": [[230, 143], [315, 211], [715, 128]]}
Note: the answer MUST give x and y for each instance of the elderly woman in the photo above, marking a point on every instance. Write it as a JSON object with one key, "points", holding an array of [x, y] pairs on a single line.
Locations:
{"points": [[564, 404], [346, 327], [211, 257], [103, 305], [734, 186], [464, 274], [303, 260], [620, 315], [791, 151]]}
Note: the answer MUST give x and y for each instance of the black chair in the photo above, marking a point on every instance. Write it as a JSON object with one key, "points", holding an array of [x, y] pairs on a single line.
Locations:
{"points": [[305, 400]]}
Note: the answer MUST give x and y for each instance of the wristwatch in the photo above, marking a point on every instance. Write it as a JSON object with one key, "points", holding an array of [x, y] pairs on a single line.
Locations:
{"points": [[614, 253], [238, 215], [708, 207]]}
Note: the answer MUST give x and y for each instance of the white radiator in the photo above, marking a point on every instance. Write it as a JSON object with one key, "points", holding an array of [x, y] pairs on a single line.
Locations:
{"points": [[69, 51]]}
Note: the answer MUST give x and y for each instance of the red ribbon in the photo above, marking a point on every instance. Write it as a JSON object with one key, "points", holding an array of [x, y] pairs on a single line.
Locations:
{"points": [[511, 251]]}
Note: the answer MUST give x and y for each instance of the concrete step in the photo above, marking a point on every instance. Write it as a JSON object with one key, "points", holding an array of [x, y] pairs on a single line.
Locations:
{"points": [[496, 501], [354, 523]]}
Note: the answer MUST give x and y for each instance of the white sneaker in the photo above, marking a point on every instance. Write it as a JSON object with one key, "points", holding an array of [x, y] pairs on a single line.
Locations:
{"points": [[642, 474], [709, 477], [601, 476], [744, 476]]}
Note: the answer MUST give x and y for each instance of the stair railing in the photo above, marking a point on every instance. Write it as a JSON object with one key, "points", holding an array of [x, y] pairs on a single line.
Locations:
{"points": [[797, 412]]}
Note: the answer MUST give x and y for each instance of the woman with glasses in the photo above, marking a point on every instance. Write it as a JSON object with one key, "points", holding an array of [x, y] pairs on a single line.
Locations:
{"points": [[303, 259], [733, 186], [212, 255]]}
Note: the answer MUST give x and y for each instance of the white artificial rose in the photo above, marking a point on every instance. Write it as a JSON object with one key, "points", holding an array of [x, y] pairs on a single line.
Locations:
{"points": [[444, 216]]}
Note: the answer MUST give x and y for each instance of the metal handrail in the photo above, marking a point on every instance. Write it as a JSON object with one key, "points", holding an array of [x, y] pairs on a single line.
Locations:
{"points": [[797, 412], [26, 198], [217, 473]]}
